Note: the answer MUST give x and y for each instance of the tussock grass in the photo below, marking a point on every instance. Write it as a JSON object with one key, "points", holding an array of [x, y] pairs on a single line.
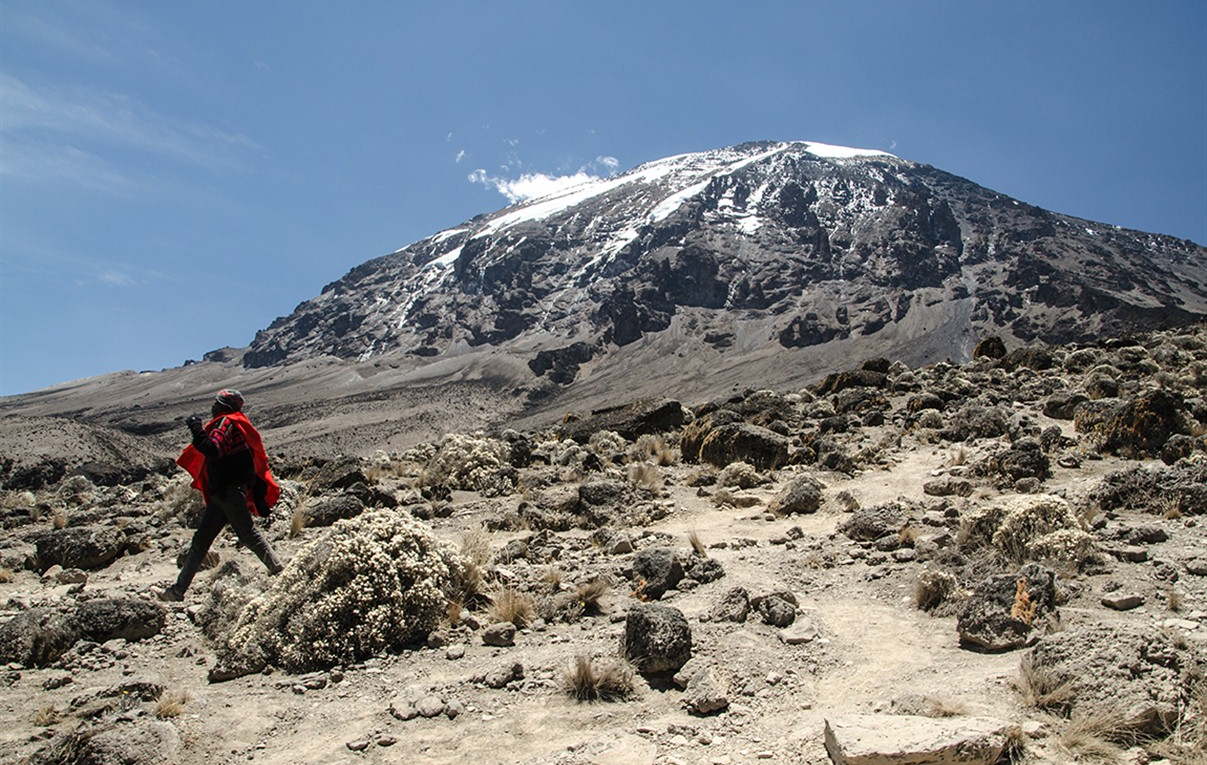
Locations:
{"points": [[59, 519], [297, 522], [46, 716], [475, 552], [1095, 737], [553, 576], [693, 538], [604, 680], [591, 593], [647, 476], [1039, 689], [171, 704], [655, 449], [935, 707], [511, 605], [7, 575]]}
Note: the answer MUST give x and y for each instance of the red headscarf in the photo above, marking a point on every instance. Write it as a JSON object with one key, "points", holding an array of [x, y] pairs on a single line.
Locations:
{"points": [[193, 461]]}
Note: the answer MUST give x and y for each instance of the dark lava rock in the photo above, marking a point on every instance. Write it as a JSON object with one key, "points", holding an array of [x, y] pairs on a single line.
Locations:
{"points": [[657, 639], [37, 637], [1142, 425], [658, 570], [740, 442], [327, 511], [640, 418], [87, 547], [127, 618], [1004, 610]]}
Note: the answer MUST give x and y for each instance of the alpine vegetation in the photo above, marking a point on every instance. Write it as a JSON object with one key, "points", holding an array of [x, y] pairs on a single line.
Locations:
{"points": [[372, 584]]}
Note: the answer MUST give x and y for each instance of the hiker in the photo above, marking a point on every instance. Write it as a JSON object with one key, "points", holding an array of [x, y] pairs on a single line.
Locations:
{"points": [[230, 467]]}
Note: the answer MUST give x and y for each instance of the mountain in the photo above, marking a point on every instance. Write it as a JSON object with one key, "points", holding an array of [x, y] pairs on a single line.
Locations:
{"points": [[764, 244], [762, 265]]}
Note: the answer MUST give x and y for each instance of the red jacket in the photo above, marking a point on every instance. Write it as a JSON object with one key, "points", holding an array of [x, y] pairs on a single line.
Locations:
{"points": [[194, 461]]}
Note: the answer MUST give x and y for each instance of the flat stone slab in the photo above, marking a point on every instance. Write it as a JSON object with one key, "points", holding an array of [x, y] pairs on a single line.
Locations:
{"points": [[915, 740]]}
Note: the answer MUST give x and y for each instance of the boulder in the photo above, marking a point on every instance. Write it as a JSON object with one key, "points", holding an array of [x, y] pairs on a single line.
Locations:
{"points": [[705, 693], [1141, 425], [658, 569], [37, 637], [1003, 612], [1139, 672], [734, 606], [327, 511], [86, 547], [126, 618], [803, 495], [867, 524], [657, 639], [146, 742], [742, 442], [914, 740], [640, 418]]}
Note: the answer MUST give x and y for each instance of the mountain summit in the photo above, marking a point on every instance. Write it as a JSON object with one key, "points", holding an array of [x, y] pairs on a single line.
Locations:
{"points": [[749, 249]]}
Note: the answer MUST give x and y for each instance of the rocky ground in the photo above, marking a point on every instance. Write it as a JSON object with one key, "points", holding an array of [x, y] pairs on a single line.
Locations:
{"points": [[1003, 560]]}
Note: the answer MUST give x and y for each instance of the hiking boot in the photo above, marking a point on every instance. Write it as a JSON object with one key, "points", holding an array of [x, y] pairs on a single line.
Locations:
{"points": [[171, 594]]}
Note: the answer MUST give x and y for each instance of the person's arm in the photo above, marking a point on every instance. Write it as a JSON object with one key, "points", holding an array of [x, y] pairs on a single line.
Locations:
{"points": [[216, 442]]}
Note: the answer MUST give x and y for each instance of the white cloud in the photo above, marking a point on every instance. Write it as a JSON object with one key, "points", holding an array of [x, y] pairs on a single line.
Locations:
{"points": [[532, 185], [460, 156]]}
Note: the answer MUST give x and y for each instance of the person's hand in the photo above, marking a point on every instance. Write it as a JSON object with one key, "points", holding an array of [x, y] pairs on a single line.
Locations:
{"points": [[194, 424]]}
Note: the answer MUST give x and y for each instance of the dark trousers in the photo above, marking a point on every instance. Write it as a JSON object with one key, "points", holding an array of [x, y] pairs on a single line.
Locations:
{"points": [[225, 506]]}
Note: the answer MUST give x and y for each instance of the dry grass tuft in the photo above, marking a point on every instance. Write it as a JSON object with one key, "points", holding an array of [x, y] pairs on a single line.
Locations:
{"points": [[171, 704], [606, 680], [454, 609], [553, 576], [297, 522], [46, 716], [1041, 690], [655, 449], [1095, 737], [7, 575], [591, 593], [511, 605], [475, 553], [934, 707], [693, 538], [646, 476], [59, 519], [1174, 600]]}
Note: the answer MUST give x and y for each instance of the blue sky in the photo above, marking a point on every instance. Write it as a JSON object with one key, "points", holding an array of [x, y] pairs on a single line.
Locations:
{"points": [[173, 176]]}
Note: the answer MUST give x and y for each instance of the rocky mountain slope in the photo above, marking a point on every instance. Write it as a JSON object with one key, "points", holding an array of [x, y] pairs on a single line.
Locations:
{"points": [[993, 562], [788, 245], [760, 265]]}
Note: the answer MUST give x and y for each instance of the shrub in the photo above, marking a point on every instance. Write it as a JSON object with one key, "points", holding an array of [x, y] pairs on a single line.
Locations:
{"points": [[472, 463], [1026, 520], [371, 583], [608, 445], [739, 474], [933, 588], [606, 680]]}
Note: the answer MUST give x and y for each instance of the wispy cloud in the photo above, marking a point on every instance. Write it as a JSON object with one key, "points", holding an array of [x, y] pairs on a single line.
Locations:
{"points": [[533, 185], [86, 135]]}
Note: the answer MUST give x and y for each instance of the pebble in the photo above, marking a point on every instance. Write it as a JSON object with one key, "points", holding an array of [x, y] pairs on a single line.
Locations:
{"points": [[359, 745]]}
